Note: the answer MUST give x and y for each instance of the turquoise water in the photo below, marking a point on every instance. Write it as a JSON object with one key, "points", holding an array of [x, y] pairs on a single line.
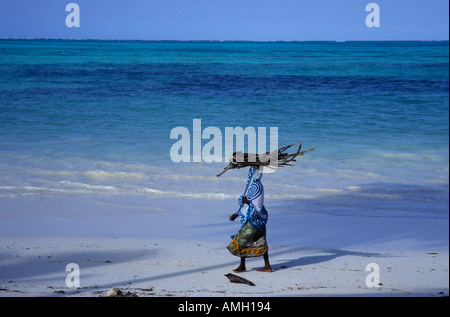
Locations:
{"points": [[95, 117]]}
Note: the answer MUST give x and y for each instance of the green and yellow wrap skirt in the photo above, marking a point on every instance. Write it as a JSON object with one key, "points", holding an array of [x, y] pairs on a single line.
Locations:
{"points": [[249, 242]]}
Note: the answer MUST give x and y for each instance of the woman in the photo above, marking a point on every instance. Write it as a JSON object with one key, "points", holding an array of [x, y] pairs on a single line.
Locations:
{"points": [[251, 238]]}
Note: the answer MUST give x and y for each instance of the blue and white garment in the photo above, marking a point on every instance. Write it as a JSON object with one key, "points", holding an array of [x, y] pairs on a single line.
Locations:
{"points": [[255, 213]]}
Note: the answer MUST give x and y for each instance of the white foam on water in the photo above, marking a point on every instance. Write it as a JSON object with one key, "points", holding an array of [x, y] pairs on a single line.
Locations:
{"points": [[345, 187]]}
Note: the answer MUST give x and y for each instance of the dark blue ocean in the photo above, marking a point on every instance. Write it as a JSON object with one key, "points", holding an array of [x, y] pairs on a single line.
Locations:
{"points": [[94, 117]]}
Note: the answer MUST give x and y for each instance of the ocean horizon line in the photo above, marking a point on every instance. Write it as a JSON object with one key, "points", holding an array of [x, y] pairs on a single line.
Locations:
{"points": [[220, 41]]}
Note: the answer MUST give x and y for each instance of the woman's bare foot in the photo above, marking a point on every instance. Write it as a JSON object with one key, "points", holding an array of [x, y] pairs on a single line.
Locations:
{"points": [[239, 269], [265, 269]]}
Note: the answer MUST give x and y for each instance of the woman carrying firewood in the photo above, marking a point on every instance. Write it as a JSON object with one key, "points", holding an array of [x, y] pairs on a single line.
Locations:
{"points": [[251, 238]]}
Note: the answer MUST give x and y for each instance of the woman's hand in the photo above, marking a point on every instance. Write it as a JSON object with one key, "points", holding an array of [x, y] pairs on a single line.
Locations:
{"points": [[233, 216], [245, 200]]}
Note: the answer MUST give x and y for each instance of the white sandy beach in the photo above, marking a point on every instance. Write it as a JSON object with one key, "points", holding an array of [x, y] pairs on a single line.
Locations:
{"points": [[174, 247]]}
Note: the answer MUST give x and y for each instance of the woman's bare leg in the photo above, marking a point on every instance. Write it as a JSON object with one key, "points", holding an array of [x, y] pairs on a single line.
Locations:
{"points": [[267, 267], [241, 267]]}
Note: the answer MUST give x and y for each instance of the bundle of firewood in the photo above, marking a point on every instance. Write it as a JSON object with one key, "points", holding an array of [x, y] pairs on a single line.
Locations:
{"points": [[270, 159]]}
